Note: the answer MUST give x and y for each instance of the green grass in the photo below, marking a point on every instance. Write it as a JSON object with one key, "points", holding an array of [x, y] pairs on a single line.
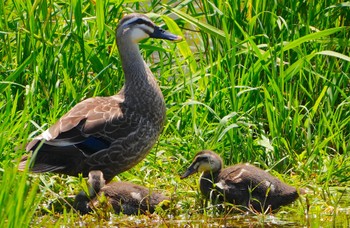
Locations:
{"points": [[257, 81]]}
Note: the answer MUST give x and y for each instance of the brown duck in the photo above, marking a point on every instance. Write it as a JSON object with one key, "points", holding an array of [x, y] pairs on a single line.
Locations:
{"points": [[243, 185], [111, 134], [126, 198]]}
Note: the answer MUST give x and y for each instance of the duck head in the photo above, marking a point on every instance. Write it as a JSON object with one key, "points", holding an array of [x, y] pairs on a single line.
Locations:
{"points": [[204, 161], [139, 27]]}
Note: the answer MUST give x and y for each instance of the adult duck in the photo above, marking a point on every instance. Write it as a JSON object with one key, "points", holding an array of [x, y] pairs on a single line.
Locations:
{"points": [[124, 197], [243, 185], [111, 134]]}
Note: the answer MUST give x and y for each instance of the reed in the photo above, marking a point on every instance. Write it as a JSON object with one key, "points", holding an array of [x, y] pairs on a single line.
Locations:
{"points": [[257, 81]]}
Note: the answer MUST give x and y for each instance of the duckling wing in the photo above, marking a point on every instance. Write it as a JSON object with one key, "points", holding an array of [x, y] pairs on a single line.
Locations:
{"points": [[131, 198], [248, 185], [87, 128], [247, 177], [233, 185]]}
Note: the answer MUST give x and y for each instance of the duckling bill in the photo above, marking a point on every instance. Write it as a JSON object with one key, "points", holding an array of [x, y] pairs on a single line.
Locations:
{"points": [[124, 197], [244, 185]]}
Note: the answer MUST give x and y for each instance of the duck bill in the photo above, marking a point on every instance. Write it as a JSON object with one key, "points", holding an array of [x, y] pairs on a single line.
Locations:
{"points": [[159, 33], [191, 170]]}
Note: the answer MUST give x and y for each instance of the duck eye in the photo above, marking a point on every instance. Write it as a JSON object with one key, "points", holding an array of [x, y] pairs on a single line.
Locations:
{"points": [[140, 21]]}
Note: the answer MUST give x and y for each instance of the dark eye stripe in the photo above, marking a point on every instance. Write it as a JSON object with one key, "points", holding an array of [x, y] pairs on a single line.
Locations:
{"points": [[199, 159], [137, 21], [143, 21]]}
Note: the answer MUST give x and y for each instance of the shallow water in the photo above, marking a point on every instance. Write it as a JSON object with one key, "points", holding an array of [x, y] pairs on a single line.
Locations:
{"points": [[310, 210]]}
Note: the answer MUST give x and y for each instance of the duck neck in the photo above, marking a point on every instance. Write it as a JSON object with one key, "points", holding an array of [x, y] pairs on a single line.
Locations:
{"points": [[93, 192], [95, 187], [140, 83], [210, 175], [207, 181]]}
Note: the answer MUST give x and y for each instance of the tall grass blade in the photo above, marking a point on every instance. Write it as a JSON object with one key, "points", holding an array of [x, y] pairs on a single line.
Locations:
{"points": [[183, 45]]}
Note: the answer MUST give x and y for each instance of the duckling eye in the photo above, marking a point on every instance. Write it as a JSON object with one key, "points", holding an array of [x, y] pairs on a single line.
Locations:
{"points": [[202, 159]]}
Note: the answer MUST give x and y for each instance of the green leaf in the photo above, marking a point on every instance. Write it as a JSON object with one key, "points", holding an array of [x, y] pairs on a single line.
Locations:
{"points": [[183, 45], [17, 72], [310, 37], [100, 18], [334, 54], [201, 25]]}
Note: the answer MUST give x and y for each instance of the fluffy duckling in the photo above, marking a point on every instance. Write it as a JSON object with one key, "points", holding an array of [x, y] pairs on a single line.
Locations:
{"points": [[243, 185], [128, 198]]}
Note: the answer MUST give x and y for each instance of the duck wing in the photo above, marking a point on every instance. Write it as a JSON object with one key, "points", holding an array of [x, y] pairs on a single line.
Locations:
{"points": [[87, 128]]}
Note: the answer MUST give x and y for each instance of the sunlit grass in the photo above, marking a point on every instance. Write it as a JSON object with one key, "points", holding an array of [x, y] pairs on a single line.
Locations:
{"points": [[255, 81]]}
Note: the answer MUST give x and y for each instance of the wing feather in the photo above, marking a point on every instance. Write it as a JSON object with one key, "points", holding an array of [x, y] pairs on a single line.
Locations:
{"points": [[78, 134], [87, 118]]}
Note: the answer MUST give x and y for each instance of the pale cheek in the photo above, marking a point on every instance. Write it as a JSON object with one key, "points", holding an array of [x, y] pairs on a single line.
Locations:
{"points": [[204, 167], [138, 35]]}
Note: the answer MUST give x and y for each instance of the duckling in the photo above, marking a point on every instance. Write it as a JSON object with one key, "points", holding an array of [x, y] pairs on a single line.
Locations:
{"points": [[126, 198], [244, 185], [111, 134]]}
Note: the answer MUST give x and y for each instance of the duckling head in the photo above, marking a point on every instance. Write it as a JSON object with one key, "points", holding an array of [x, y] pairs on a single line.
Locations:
{"points": [[96, 180], [204, 161], [138, 27]]}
